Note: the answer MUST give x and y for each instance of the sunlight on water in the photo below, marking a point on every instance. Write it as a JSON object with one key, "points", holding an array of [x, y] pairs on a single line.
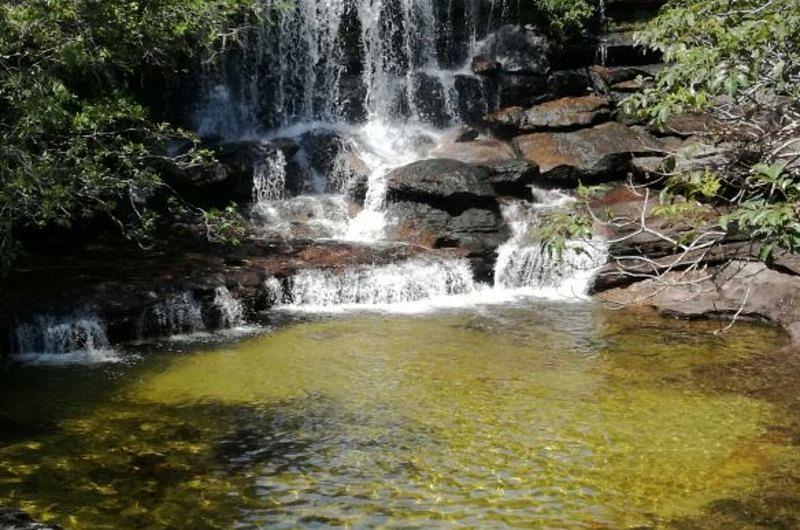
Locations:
{"points": [[567, 418]]}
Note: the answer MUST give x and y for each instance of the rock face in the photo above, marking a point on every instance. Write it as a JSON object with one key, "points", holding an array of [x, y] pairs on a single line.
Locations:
{"points": [[599, 154], [564, 113]]}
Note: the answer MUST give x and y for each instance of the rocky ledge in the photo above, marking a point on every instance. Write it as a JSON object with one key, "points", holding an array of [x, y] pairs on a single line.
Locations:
{"points": [[125, 284]]}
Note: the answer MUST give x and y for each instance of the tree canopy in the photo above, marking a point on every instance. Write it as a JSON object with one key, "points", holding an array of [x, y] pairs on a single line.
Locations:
{"points": [[76, 138]]}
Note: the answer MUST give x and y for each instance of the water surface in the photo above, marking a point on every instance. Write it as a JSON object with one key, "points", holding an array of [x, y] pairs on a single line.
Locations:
{"points": [[555, 416]]}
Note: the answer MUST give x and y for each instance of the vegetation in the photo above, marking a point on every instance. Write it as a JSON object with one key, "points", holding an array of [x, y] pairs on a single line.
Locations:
{"points": [[77, 138], [738, 61]]}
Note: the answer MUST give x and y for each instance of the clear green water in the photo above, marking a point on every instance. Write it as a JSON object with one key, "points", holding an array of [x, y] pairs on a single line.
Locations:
{"points": [[557, 416]]}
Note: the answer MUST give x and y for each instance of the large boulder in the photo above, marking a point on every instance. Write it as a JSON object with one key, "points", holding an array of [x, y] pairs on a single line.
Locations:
{"points": [[446, 184], [520, 50], [598, 154], [445, 203], [564, 113], [16, 520]]}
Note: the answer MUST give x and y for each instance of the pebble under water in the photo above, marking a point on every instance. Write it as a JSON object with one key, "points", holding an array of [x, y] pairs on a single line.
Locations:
{"points": [[557, 416]]}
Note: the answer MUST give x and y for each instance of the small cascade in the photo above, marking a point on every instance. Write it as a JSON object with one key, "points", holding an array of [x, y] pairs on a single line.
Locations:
{"points": [[179, 313], [229, 310], [526, 263], [62, 339], [411, 281], [602, 51], [269, 178]]}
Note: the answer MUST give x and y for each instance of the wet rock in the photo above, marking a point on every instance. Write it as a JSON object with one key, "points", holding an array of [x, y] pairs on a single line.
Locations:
{"points": [[466, 134], [575, 82], [598, 154], [512, 178], [232, 178], [475, 230], [17, 520], [520, 50], [523, 91], [429, 99], [446, 184], [564, 113], [472, 103], [353, 94], [354, 173], [482, 65], [478, 152]]}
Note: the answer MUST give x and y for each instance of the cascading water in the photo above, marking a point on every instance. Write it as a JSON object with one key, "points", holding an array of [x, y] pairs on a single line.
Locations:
{"points": [[62, 339], [335, 60], [410, 281], [381, 80], [179, 313], [230, 312], [526, 263]]}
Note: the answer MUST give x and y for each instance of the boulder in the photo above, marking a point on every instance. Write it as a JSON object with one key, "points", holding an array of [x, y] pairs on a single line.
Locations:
{"points": [[475, 230], [512, 178], [445, 184], [482, 65], [479, 152], [564, 113], [520, 50], [595, 155]]}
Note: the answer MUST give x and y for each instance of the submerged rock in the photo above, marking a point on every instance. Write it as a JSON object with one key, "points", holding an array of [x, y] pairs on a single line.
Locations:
{"points": [[599, 154], [17, 520]]}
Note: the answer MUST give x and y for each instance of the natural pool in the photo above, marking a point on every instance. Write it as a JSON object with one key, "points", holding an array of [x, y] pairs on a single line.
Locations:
{"points": [[558, 416]]}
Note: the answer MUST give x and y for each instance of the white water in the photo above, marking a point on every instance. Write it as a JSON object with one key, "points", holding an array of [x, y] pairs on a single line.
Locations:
{"points": [[230, 310], [79, 338], [525, 263], [178, 314]]}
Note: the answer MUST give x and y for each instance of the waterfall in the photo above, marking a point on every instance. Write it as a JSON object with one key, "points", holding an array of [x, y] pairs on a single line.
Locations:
{"points": [[79, 337], [179, 313], [411, 281], [269, 178], [230, 312], [526, 263], [336, 61]]}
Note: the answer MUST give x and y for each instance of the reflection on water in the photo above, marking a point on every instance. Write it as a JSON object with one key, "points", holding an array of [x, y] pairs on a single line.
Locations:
{"points": [[540, 417]]}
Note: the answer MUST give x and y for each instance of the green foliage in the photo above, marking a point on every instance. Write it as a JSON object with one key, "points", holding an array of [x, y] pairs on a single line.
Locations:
{"points": [[557, 228], [75, 139], [566, 18], [720, 47], [738, 61]]}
